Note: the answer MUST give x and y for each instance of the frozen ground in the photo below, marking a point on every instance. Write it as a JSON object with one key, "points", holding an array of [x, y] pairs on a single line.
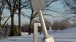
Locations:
{"points": [[67, 35]]}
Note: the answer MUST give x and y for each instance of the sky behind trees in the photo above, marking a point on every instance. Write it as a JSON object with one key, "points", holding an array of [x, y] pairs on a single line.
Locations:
{"points": [[59, 11]]}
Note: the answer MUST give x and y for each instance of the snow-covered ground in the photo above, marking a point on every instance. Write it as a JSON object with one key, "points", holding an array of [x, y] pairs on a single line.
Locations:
{"points": [[67, 35]]}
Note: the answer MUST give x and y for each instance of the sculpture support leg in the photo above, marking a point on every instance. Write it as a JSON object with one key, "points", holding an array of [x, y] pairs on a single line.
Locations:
{"points": [[46, 37], [43, 24], [35, 35]]}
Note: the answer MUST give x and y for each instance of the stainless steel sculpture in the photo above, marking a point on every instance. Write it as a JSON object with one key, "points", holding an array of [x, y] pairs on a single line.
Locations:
{"points": [[37, 5]]}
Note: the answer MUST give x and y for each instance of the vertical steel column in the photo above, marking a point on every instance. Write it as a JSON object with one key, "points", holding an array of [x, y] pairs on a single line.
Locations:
{"points": [[35, 35]]}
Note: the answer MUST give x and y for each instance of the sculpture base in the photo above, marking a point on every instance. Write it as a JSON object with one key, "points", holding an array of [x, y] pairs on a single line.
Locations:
{"points": [[49, 39]]}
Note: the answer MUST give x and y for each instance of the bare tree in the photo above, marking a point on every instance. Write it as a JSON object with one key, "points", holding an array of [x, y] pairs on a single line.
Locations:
{"points": [[71, 4], [1, 10], [11, 4]]}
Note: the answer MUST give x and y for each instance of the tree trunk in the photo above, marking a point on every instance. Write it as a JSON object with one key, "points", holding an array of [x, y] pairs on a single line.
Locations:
{"points": [[19, 19], [19, 22], [12, 29], [0, 18], [30, 25]]}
